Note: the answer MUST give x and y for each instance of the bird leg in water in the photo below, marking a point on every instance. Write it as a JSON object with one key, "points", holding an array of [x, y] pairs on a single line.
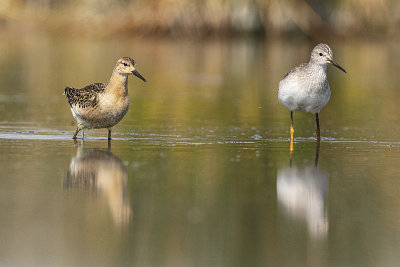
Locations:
{"points": [[318, 133], [109, 133], [76, 133], [317, 145]]}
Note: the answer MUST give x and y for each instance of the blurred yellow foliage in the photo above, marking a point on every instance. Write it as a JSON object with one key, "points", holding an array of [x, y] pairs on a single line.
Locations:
{"points": [[203, 18]]}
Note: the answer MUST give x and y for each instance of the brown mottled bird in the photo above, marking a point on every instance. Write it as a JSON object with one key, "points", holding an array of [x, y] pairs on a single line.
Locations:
{"points": [[102, 105]]}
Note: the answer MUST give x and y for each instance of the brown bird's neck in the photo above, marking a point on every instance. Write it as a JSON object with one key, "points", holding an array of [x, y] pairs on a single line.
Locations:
{"points": [[118, 84]]}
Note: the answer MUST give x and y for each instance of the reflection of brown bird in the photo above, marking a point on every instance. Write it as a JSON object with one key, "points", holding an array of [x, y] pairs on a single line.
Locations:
{"points": [[99, 170], [103, 105]]}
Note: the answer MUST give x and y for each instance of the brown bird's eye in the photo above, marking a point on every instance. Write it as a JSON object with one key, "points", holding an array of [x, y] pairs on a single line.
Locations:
{"points": [[321, 54], [125, 64]]}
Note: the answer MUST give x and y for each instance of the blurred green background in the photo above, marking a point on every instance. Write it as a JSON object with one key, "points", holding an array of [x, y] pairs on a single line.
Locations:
{"points": [[198, 173]]}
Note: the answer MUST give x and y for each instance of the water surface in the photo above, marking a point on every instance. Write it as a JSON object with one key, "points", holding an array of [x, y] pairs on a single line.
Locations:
{"points": [[199, 171]]}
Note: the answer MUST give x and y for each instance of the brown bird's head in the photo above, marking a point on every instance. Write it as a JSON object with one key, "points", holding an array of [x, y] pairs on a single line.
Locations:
{"points": [[126, 66]]}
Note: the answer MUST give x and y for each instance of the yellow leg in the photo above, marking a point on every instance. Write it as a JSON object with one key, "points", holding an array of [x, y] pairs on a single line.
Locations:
{"points": [[291, 132]]}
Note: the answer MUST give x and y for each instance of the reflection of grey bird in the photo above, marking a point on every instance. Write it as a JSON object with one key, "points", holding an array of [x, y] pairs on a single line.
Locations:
{"points": [[306, 87], [101, 171], [302, 193], [103, 105]]}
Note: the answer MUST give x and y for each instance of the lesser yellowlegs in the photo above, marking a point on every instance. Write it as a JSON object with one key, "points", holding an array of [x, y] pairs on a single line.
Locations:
{"points": [[306, 87]]}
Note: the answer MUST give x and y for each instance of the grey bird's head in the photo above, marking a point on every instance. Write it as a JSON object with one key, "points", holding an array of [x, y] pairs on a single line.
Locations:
{"points": [[126, 66], [322, 54]]}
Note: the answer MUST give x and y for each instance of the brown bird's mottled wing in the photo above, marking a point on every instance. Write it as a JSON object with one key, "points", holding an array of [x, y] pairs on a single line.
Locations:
{"points": [[85, 97]]}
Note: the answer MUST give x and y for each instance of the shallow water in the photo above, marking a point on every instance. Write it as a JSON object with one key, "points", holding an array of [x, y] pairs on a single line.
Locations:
{"points": [[198, 172]]}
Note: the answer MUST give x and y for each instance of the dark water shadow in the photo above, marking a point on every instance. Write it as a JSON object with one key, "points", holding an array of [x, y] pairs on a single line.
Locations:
{"points": [[301, 193], [99, 171]]}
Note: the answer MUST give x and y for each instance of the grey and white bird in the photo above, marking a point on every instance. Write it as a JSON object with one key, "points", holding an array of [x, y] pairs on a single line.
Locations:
{"points": [[306, 86]]}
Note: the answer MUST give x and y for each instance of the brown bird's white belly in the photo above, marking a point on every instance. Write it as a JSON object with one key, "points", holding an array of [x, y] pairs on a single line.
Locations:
{"points": [[109, 111]]}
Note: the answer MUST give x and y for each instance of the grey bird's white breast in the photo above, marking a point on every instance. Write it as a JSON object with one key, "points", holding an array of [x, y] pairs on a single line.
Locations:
{"points": [[307, 90]]}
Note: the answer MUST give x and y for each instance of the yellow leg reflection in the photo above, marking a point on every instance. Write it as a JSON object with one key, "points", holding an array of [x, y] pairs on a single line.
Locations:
{"points": [[291, 149], [301, 193]]}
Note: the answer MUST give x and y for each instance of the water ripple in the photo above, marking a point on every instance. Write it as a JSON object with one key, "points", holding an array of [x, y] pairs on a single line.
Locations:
{"points": [[175, 139]]}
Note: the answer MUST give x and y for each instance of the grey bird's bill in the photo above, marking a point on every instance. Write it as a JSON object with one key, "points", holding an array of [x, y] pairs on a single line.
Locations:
{"points": [[137, 74], [337, 65]]}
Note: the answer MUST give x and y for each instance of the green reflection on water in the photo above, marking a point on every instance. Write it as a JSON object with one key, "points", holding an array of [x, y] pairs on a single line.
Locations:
{"points": [[194, 166]]}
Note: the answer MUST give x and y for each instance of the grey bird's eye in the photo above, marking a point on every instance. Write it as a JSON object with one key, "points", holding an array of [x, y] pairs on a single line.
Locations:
{"points": [[321, 54]]}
